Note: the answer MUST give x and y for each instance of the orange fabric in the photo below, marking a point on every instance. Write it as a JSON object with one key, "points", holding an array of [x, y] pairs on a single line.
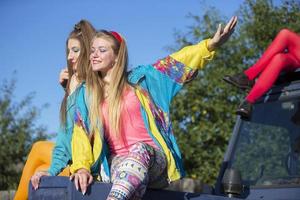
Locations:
{"points": [[39, 159]]}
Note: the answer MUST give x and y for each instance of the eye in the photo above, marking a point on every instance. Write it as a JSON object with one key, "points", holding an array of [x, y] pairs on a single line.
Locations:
{"points": [[102, 50], [75, 49]]}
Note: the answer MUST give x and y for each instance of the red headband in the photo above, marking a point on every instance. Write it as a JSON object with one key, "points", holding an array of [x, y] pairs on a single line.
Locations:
{"points": [[117, 36]]}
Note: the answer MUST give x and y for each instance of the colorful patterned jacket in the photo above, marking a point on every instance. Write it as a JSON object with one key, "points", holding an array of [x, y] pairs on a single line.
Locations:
{"points": [[155, 86]]}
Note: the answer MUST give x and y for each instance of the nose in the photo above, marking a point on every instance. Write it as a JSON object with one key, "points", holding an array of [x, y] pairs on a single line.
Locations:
{"points": [[70, 55], [95, 53]]}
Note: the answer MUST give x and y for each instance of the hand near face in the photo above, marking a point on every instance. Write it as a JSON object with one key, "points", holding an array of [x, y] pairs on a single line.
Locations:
{"points": [[222, 34], [82, 179], [35, 179], [63, 77]]}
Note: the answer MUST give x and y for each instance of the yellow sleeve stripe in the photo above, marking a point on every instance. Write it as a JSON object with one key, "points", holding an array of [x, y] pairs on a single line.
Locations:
{"points": [[82, 155], [194, 56], [97, 146], [173, 173]]}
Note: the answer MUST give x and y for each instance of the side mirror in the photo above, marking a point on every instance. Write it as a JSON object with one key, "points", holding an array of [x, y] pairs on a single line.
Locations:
{"points": [[232, 182]]}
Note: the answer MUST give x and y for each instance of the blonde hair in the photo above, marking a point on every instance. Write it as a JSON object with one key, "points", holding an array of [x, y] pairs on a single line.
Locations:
{"points": [[83, 31], [118, 84]]}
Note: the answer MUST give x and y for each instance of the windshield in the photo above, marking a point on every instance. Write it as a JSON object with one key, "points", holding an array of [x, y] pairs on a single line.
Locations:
{"points": [[267, 152]]}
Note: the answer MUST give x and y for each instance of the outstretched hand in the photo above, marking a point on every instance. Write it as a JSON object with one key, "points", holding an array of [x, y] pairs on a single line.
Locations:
{"points": [[222, 34]]}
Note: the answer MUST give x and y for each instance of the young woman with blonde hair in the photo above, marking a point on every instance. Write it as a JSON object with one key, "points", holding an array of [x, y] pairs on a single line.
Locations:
{"points": [[122, 121]]}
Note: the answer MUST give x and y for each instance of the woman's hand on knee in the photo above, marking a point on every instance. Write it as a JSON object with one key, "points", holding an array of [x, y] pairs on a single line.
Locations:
{"points": [[82, 179], [35, 179]]}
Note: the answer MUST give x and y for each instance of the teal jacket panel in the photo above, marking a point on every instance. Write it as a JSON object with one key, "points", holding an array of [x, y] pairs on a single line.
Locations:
{"points": [[61, 154]]}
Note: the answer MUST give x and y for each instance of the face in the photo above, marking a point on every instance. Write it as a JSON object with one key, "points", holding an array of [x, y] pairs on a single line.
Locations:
{"points": [[74, 52], [102, 56]]}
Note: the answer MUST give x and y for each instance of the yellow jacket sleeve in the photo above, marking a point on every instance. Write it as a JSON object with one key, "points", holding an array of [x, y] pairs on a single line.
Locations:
{"points": [[82, 155], [194, 56]]}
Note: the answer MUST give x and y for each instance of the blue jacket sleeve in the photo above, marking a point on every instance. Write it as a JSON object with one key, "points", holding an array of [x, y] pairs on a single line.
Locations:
{"points": [[61, 154]]}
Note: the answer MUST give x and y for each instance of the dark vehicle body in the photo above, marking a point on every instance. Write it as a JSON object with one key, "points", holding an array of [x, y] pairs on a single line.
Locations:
{"points": [[265, 150], [262, 160]]}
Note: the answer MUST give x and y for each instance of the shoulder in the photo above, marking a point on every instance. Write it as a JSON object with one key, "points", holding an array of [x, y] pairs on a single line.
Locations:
{"points": [[140, 72], [81, 86], [137, 73], [80, 94], [81, 89]]}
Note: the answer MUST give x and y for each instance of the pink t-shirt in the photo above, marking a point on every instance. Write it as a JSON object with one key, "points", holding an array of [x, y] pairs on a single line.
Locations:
{"points": [[132, 126]]}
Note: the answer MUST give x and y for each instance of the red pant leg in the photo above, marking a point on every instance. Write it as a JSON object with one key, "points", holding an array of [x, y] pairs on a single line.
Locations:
{"points": [[285, 41], [284, 61]]}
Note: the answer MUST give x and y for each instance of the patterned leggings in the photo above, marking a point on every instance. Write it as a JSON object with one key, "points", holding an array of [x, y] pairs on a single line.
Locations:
{"points": [[143, 167]]}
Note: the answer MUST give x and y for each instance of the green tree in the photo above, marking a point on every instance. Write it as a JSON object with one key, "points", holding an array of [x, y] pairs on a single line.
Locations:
{"points": [[18, 130], [203, 112]]}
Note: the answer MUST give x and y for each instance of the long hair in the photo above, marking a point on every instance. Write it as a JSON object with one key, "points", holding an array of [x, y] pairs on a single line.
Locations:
{"points": [[117, 85], [83, 32]]}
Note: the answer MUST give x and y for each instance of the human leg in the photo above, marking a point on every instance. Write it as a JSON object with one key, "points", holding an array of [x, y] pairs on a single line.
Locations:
{"points": [[280, 62], [285, 40], [132, 173], [38, 158], [157, 174]]}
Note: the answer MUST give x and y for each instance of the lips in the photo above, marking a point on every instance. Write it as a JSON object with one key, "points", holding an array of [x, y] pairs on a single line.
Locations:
{"points": [[73, 61], [96, 61]]}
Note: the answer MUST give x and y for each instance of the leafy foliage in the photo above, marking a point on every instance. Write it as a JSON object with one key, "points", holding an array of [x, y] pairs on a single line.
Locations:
{"points": [[17, 133], [203, 112]]}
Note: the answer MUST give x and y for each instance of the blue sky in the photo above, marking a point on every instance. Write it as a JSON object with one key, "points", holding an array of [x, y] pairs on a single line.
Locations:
{"points": [[33, 34]]}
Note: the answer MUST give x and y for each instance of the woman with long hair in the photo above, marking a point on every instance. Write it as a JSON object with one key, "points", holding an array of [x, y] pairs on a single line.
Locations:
{"points": [[47, 158], [122, 121]]}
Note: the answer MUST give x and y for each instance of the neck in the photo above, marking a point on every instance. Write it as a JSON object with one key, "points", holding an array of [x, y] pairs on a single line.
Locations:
{"points": [[106, 76]]}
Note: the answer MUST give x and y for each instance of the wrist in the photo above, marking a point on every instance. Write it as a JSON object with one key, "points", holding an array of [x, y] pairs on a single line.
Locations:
{"points": [[82, 170], [43, 173], [211, 45]]}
